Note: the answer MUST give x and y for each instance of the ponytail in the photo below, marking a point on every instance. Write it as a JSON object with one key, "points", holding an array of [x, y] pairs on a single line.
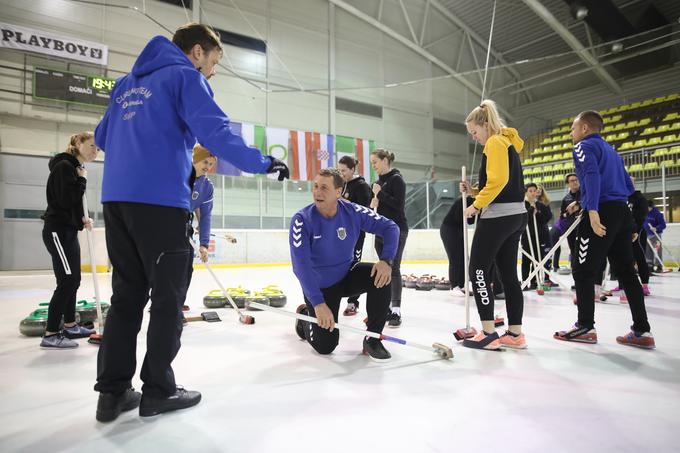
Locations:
{"points": [[76, 140], [349, 162], [381, 153], [486, 112]]}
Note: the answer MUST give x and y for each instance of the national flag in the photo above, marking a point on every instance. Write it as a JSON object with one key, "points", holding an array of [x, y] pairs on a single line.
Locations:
{"points": [[364, 149], [300, 155]]}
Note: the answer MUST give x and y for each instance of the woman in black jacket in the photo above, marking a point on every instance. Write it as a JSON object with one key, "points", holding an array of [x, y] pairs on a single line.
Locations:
{"points": [[356, 190], [542, 214], [451, 233], [63, 218], [389, 195]]}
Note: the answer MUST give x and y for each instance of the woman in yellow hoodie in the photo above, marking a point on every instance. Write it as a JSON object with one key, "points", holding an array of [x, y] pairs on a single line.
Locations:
{"points": [[502, 219]]}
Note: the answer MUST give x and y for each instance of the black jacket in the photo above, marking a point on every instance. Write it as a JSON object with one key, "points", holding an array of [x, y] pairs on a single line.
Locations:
{"points": [[543, 216], [391, 197], [638, 205], [357, 191], [64, 191], [454, 217], [566, 201]]}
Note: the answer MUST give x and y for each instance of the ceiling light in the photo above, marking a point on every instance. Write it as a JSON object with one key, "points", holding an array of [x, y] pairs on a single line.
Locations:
{"points": [[617, 47], [581, 12]]}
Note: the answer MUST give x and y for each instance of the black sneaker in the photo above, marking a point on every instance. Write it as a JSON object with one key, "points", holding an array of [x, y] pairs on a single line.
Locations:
{"points": [[110, 405], [300, 325], [182, 399], [375, 350], [393, 320]]}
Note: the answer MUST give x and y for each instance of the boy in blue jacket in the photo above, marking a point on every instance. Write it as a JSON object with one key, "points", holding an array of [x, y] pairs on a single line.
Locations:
{"points": [[605, 232], [654, 223], [155, 116], [322, 239]]}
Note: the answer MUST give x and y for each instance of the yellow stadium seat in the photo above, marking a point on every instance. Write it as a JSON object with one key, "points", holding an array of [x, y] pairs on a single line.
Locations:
{"points": [[651, 166], [667, 163], [623, 135], [610, 137], [547, 168], [644, 121], [675, 126], [653, 141], [672, 97], [646, 102], [558, 167], [625, 146], [623, 108], [669, 139], [659, 99], [674, 149], [648, 131], [620, 126], [537, 180], [635, 105], [536, 151], [548, 178], [634, 168], [528, 161], [639, 144], [546, 140], [663, 128], [567, 155], [671, 116], [660, 152], [608, 129]]}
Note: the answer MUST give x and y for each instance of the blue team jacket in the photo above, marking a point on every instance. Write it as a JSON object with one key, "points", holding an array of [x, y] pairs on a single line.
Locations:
{"points": [[601, 172], [202, 200], [322, 250], [155, 116]]}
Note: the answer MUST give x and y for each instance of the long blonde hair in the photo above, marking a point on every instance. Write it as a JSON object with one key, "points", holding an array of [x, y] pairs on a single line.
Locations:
{"points": [[486, 113], [544, 196], [77, 140]]}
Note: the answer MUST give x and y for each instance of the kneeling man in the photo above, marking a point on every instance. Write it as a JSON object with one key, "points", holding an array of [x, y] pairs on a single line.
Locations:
{"points": [[322, 238]]}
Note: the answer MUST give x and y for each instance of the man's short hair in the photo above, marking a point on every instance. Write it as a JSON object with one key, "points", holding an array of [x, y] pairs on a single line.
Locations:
{"points": [[187, 36], [566, 179], [531, 184], [335, 174], [593, 119]]}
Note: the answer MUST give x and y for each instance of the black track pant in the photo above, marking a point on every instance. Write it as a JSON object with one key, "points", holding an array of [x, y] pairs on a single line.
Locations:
{"points": [[396, 266], [497, 240], [358, 250], [589, 253], [357, 281], [150, 253], [554, 237], [452, 238], [62, 244]]}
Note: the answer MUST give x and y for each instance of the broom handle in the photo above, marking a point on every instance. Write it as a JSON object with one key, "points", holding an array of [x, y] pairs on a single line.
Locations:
{"points": [[466, 254], [93, 268]]}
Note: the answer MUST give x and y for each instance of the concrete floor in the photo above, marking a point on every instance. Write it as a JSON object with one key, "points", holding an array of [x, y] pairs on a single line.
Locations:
{"points": [[266, 391]]}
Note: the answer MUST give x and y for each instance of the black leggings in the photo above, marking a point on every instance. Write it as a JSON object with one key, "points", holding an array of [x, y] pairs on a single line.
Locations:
{"points": [[62, 244], [452, 238], [497, 240], [396, 266], [591, 250], [357, 281]]}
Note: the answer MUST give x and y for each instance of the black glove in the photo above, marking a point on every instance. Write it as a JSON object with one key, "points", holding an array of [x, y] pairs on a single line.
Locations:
{"points": [[280, 166]]}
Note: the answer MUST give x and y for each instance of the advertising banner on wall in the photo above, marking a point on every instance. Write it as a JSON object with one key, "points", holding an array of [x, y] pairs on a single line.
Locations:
{"points": [[31, 40]]}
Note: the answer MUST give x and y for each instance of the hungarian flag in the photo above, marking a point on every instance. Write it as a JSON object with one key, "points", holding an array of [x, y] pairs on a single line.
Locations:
{"points": [[364, 150]]}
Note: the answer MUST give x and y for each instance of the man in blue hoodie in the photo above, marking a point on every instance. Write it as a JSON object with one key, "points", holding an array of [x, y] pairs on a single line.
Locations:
{"points": [[156, 115], [654, 223], [322, 239], [605, 232]]}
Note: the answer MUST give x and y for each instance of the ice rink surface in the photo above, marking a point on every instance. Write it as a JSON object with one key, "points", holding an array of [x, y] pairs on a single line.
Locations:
{"points": [[264, 390]]}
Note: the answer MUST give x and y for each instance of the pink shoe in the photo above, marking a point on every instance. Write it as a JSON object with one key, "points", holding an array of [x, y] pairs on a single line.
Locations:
{"points": [[645, 290], [639, 340], [509, 340]]}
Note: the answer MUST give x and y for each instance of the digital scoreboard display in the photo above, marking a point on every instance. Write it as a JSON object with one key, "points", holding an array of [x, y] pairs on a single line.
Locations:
{"points": [[70, 87]]}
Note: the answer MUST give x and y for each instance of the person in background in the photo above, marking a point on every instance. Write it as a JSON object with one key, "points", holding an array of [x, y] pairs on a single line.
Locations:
{"points": [[63, 219], [451, 233], [542, 214], [569, 210], [389, 195], [654, 223], [356, 190]]}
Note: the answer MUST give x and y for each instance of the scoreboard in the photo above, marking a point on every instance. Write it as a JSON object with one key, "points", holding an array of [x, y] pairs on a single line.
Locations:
{"points": [[71, 87]]}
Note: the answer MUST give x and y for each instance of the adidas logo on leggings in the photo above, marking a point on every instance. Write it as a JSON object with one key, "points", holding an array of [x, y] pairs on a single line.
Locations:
{"points": [[481, 287]]}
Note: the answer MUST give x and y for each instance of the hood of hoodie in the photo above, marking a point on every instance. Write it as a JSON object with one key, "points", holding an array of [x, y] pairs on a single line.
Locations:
{"points": [[512, 136], [159, 53], [388, 175], [63, 156]]}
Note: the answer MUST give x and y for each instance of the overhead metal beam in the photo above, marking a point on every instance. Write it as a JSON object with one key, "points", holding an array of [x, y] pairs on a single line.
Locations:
{"points": [[413, 46], [424, 24], [541, 11], [444, 11], [443, 38], [408, 21]]}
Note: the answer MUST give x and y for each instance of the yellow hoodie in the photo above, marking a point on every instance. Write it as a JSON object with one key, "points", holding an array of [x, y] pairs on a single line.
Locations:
{"points": [[501, 170]]}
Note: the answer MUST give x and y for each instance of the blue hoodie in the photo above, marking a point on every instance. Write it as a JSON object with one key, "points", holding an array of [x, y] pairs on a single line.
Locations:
{"points": [[202, 200], [601, 172], [322, 250], [655, 219], [156, 115]]}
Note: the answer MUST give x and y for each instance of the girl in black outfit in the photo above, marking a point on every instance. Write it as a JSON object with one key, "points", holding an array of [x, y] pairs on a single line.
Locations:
{"points": [[356, 190], [502, 219], [63, 218], [389, 195], [543, 216]]}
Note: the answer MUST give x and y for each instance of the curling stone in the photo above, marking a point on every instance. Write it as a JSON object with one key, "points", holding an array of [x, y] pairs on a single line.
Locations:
{"points": [[424, 283], [215, 299], [442, 284], [276, 297], [257, 297]]}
